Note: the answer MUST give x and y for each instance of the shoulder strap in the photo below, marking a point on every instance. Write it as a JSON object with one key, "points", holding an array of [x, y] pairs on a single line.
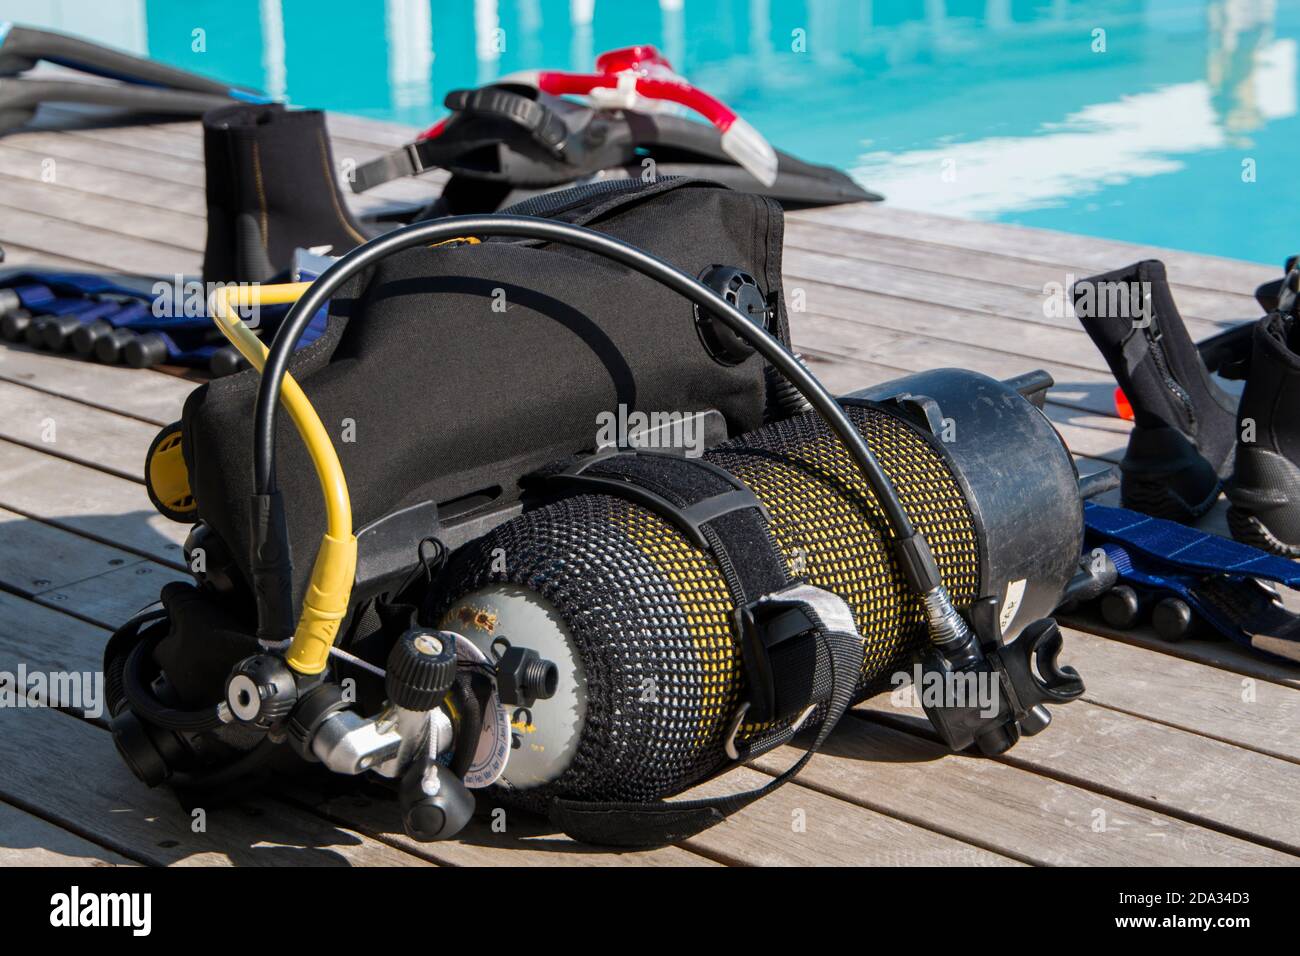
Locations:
{"points": [[539, 122], [800, 644]]}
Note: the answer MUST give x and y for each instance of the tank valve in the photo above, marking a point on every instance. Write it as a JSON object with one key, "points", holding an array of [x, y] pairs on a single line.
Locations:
{"points": [[421, 668], [523, 677]]}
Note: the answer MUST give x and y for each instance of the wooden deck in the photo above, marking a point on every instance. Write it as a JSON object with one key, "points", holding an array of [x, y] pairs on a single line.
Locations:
{"points": [[1177, 755]]}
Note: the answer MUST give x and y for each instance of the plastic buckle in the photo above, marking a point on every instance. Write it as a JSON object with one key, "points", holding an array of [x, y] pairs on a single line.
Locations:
{"points": [[769, 639], [412, 151]]}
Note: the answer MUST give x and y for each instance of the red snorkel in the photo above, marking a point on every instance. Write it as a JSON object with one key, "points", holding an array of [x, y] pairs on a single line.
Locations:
{"points": [[639, 78]]}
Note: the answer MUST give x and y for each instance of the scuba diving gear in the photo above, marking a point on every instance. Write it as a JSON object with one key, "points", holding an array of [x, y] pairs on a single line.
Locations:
{"points": [[1182, 441], [1189, 581], [1264, 489], [737, 609], [21, 47], [271, 189], [510, 140]]}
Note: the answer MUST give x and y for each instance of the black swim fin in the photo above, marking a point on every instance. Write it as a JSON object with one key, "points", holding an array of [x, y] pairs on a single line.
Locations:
{"points": [[20, 99], [22, 47]]}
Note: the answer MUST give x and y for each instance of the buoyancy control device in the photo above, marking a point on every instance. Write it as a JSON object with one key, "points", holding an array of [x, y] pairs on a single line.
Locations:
{"points": [[610, 540]]}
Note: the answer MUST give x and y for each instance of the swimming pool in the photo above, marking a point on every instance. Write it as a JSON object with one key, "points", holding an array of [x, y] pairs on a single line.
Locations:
{"points": [[1169, 122]]}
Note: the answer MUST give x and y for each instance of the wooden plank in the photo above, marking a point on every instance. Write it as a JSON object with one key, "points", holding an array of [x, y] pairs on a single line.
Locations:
{"points": [[45, 640], [112, 214], [972, 295], [84, 177], [27, 840], [1094, 254], [68, 429], [1164, 769], [89, 502], [1222, 654], [113, 598], [858, 315], [115, 252], [36, 557], [798, 826], [991, 804], [63, 570], [17, 254], [113, 808], [144, 394], [850, 248], [1241, 710]]}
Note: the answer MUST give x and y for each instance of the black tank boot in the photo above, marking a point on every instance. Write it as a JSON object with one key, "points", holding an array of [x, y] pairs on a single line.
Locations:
{"points": [[1265, 486], [1182, 441], [271, 189]]}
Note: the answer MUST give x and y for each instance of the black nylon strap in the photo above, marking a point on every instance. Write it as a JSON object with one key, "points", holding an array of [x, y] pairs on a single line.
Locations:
{"points": [[734, 523], [659, 823], [541, 123]]}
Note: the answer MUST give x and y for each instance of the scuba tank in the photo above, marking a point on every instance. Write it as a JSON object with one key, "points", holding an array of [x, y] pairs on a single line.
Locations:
{"points": [[526, 613]]}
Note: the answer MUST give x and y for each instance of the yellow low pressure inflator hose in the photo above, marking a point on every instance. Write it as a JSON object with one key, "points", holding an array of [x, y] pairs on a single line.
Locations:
{"points": [[326, 602]]}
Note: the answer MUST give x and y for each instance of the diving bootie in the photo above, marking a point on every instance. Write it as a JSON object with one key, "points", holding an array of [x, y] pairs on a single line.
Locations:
{"points": [[1183, 435], [270, 189], [1264, 489]]}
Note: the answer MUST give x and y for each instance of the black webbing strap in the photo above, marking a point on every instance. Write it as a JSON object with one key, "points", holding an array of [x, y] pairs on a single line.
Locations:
{"points": [[811, 655], [493, 102], [661, 822]]}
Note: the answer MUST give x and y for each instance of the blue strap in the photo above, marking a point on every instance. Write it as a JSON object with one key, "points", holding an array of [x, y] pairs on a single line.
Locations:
{"points": [[1179, 548], [139, 307]]}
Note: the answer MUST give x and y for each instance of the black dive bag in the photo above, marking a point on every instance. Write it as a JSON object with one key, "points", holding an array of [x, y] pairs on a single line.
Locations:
{"points": [[477, 364]]}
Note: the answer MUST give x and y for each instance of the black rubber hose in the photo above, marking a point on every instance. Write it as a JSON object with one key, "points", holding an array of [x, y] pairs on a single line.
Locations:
{"points": [[524, 227], [148, 708]]}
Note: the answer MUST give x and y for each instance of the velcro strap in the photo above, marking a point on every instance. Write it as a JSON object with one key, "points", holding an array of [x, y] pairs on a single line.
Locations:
{"points": [[709, 504]]}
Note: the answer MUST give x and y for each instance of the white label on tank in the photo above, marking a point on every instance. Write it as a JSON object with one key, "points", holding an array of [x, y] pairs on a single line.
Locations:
{"points": [[1011, 603], [494, 742]]}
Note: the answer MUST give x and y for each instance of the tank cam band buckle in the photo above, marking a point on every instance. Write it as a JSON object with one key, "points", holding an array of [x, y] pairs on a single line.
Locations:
{"points": [[993, 700], [790, 667]]}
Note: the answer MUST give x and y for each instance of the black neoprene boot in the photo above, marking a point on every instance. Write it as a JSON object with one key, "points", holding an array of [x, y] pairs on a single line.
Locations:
{"points": [[1182, 441], [271, 189], [1265, 486]]}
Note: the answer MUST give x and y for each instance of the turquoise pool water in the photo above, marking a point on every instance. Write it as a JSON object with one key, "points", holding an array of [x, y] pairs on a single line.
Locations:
{"points": [[1170, 122]]}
